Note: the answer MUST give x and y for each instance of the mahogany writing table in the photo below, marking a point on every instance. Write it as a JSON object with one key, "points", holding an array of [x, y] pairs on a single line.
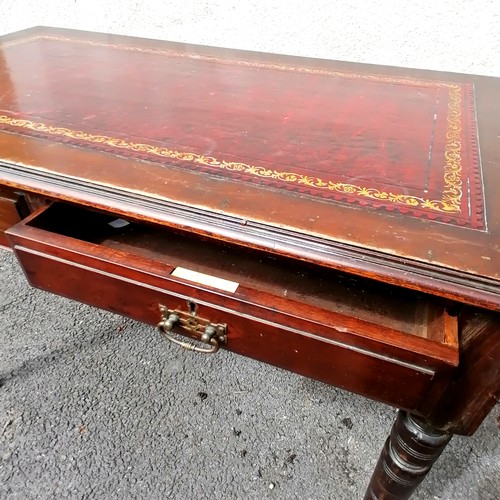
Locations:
{"points": [[337, 220]]}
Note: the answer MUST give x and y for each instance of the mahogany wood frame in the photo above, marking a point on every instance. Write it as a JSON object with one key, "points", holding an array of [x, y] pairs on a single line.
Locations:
{"points": [[463, 381]]}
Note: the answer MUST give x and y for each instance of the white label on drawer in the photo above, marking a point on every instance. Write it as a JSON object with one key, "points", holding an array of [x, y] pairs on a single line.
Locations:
{"points": [[205, 279]]}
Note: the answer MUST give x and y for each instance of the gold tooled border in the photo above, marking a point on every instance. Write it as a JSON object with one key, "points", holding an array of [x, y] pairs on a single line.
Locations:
{"points": [[452, 192]]}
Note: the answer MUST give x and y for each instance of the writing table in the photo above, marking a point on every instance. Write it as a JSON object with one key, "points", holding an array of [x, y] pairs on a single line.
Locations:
{"points": [[334, 219]]}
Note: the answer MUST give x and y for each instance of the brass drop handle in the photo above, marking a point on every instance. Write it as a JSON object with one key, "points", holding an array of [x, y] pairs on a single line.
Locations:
{"points": [[209, 334]]}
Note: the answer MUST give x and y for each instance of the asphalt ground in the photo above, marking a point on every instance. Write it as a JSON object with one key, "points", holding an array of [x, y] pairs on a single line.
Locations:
{"points": [[95, 406]]}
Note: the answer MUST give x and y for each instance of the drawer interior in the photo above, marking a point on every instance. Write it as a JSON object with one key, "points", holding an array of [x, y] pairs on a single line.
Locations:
{"points": [[275, 281], [385, 305], [347, 331]]}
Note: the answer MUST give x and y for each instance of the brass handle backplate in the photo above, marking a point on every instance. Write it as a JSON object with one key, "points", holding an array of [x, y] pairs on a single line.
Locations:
{"points": [[208, 333]]}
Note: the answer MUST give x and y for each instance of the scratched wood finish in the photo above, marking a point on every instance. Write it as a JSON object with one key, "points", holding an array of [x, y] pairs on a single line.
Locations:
{"points": [[475, 388], [460, 263], [279, 314]]}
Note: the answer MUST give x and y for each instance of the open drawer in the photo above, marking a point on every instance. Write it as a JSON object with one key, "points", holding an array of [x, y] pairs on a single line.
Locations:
{"points": [[346, 331]]}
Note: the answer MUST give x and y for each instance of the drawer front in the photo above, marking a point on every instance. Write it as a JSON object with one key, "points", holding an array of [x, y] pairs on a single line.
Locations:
{"points": [[136, 294], [280, 312]]}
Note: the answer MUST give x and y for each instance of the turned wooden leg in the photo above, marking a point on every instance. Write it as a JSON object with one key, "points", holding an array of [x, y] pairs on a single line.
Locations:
{"points": [[407, 456]]}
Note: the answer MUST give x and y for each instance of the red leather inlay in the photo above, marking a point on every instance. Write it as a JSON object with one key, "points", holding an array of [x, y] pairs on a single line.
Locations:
{"points": [[384, 142]]}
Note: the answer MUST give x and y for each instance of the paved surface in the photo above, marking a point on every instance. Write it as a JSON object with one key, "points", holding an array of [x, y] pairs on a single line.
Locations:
{"points": [[96, 407]]}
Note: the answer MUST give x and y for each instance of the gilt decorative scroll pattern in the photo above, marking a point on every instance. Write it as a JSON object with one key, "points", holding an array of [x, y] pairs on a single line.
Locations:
{"points": [[449, 204], [455, 197]]}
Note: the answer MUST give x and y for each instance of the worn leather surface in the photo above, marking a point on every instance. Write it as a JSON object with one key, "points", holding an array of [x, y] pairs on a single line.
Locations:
{"points": [[397, 143]]}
